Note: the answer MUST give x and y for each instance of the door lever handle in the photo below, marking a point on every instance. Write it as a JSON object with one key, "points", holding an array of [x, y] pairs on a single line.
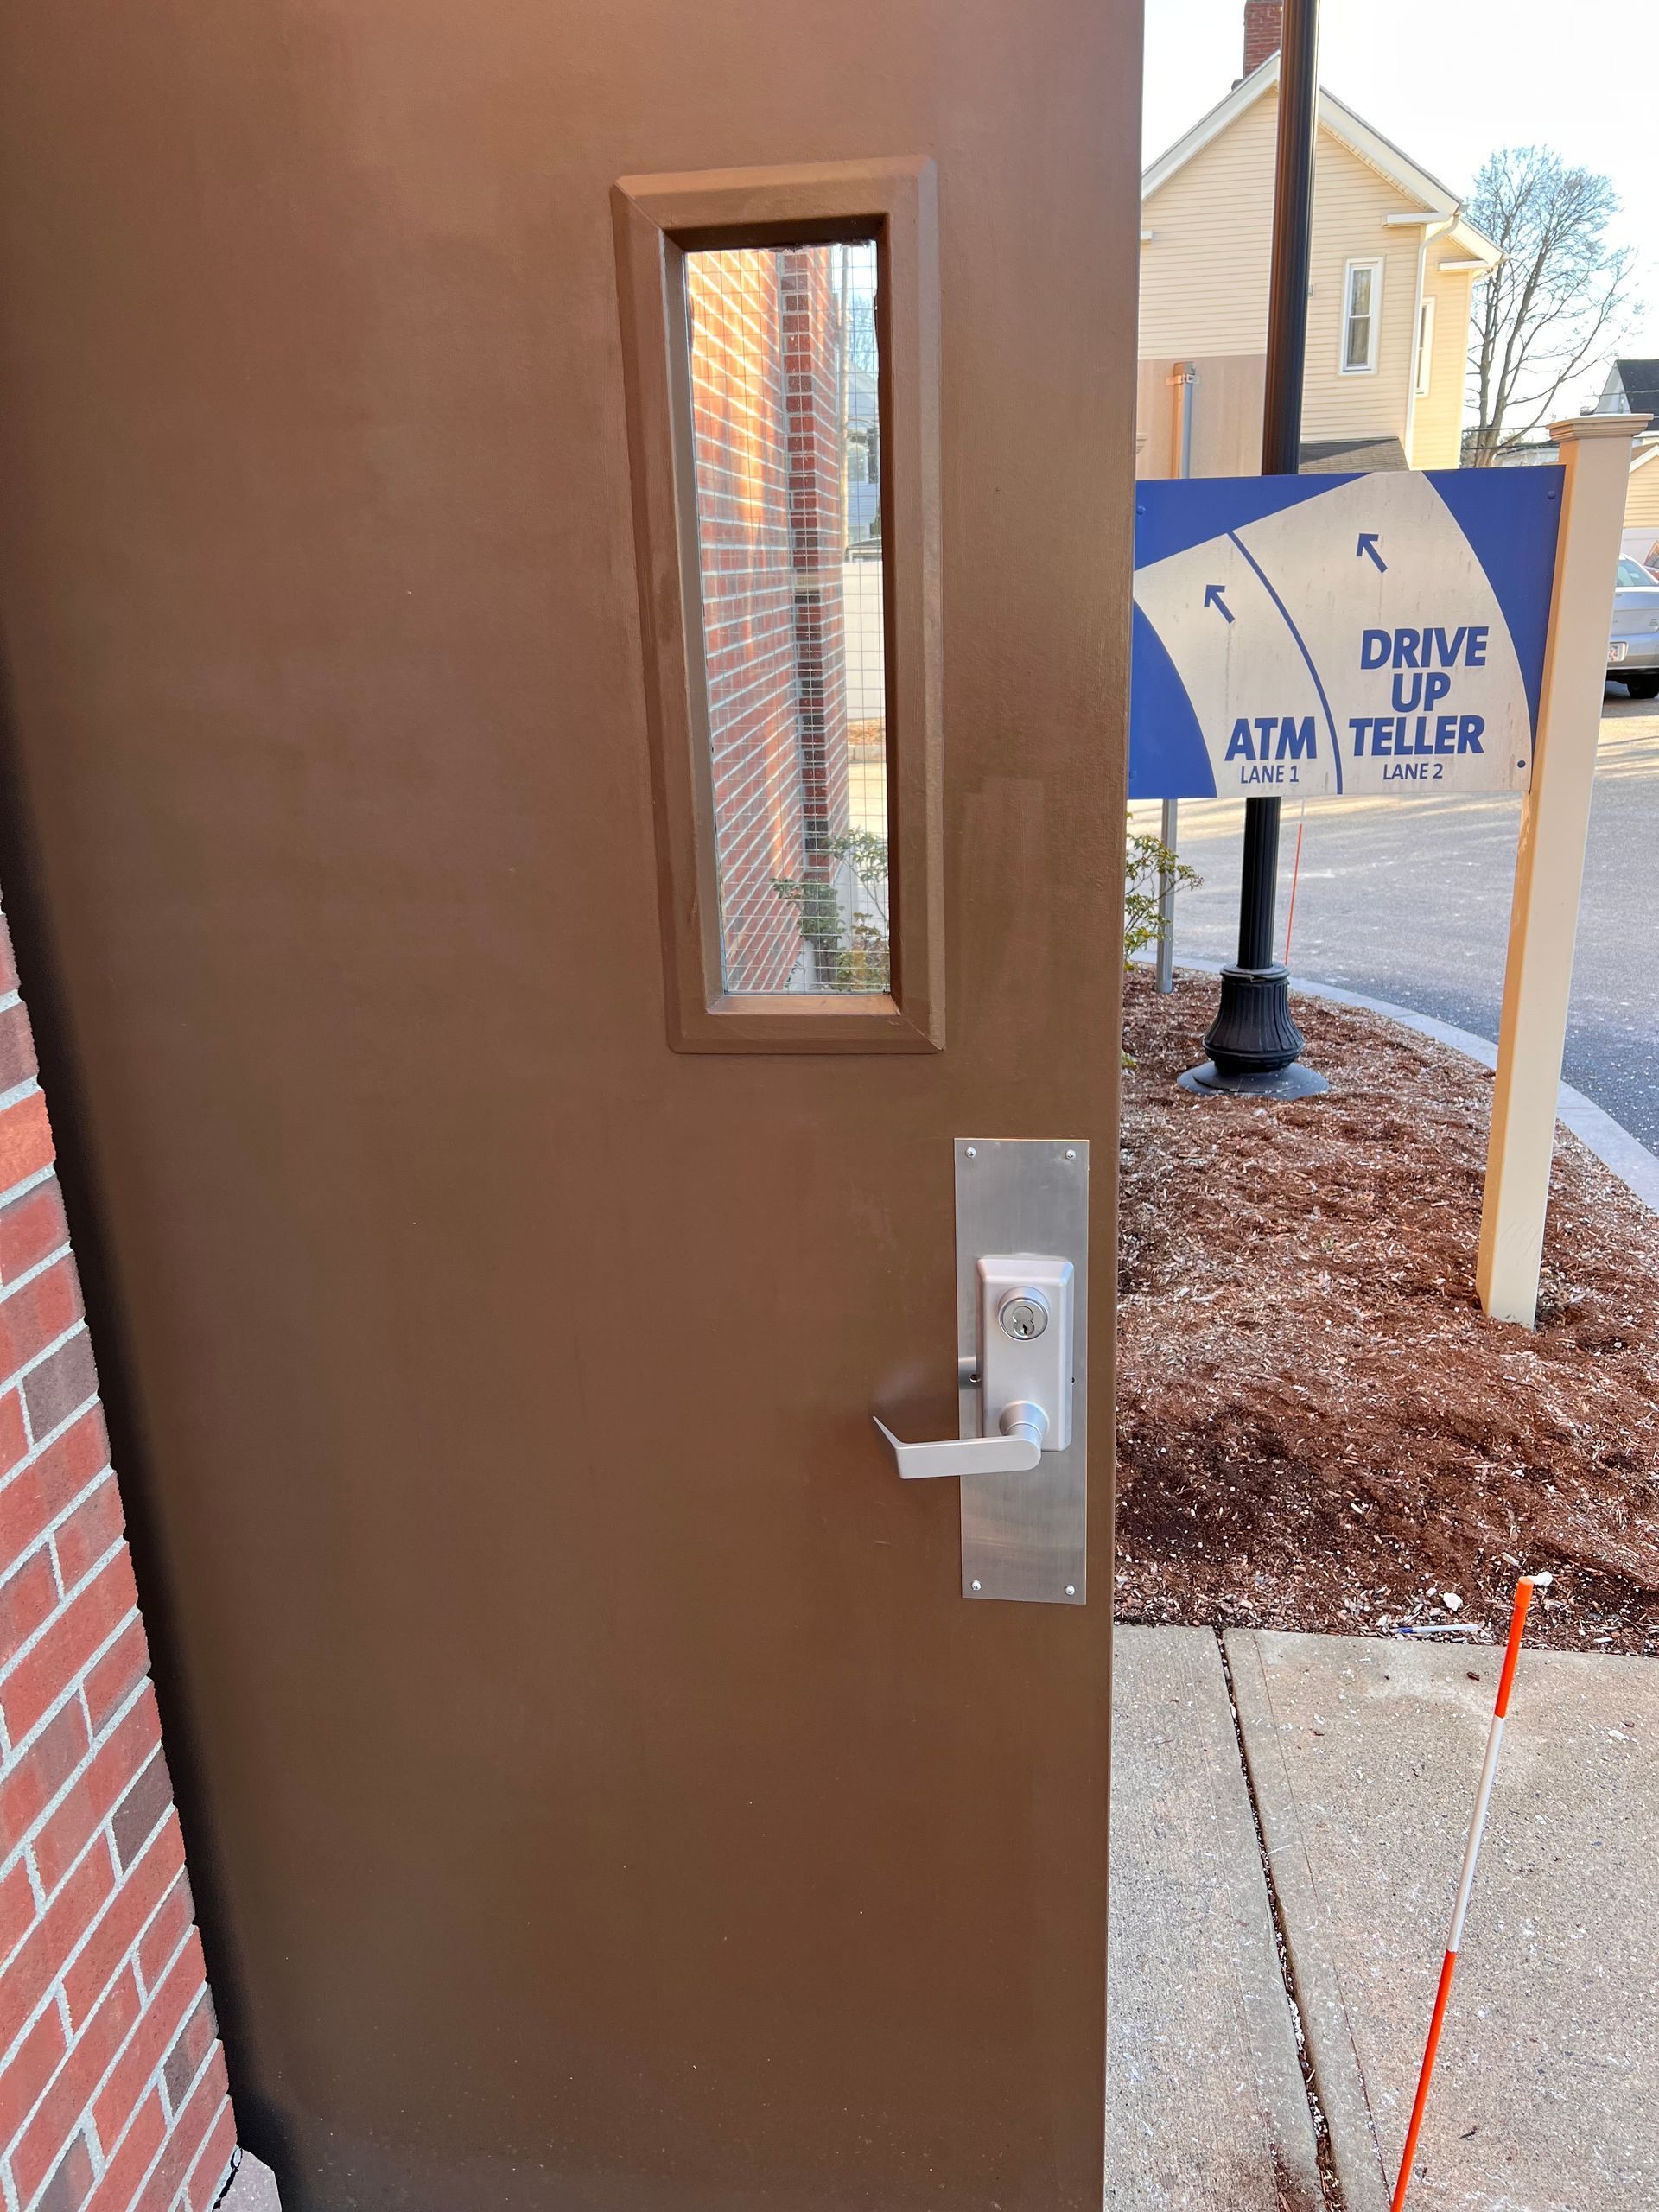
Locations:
{"points": [[1015, 1451], [1021, 1373]]}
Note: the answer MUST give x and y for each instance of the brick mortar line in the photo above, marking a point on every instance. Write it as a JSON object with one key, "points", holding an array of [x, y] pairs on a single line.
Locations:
{"points": [[223, 2180], [50, 1528], [27, 1183], [64, 1251], [178, 1950], [101, 2159], [69, 1593], [17, 1379], [97, 1745], [34, 1638], [197, 2078], [106, 1828], [130, 1955], [64, 1698], [152, 2080], [102, 1835], [89, 1931], [166, 2142], [73, 1688], [51, 1435], [10, 1751]]}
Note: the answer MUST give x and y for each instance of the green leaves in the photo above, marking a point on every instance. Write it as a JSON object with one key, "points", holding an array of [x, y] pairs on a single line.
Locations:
{"points": [[1147, 861], [843, 912]]}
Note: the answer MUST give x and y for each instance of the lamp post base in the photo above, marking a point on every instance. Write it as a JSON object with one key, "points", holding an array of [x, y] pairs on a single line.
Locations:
{"points": [[1293, 1081], [1254, 1044]]}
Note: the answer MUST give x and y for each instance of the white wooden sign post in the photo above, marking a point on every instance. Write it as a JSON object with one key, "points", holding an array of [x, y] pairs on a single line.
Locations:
{"points": [[1549, 863]]}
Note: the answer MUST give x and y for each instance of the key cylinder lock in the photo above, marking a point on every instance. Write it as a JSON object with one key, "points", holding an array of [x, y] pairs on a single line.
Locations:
{"points": [[1023, 1314]]}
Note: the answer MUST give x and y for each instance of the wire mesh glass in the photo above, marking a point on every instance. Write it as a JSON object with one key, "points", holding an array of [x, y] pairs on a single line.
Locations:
{"points": [[787, 436]]}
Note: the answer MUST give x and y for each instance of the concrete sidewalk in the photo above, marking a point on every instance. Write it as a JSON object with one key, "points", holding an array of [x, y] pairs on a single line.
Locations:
{"points": [[1357, 1770], [1207, 2105]]}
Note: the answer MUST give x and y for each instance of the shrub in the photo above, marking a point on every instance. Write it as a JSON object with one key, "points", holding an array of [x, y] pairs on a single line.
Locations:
{"points": [[1147, 861]]}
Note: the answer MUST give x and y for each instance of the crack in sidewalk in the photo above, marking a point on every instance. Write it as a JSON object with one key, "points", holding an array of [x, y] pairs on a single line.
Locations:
{"points": [[1331, 2188]]}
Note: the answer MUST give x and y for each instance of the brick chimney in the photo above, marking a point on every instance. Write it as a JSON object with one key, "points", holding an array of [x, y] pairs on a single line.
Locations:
{"points": [[1264, 27]]}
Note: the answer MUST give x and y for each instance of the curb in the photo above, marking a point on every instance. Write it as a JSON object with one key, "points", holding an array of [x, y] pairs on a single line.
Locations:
{"points": [[1626, 1156]]}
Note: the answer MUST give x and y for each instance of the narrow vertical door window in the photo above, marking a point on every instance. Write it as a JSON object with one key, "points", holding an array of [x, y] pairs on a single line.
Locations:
{"points": [[786, 453]]}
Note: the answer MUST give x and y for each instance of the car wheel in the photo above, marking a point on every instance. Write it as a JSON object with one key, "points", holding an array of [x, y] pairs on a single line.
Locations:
{"points": [[1643, 687]]}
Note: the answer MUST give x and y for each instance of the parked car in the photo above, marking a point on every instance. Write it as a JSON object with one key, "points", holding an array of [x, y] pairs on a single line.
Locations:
{"points": [[1633, 649]]}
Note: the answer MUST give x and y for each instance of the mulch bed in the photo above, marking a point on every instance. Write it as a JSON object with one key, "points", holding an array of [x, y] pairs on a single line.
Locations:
{"points": [[1317, 1428]]}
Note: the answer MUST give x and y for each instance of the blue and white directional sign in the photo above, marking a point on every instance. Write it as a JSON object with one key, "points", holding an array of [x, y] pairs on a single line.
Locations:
{"points": [[1381, 633]]}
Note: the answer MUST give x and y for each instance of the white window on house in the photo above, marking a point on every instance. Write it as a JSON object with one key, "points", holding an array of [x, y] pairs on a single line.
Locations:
{"points": [[1425, 346], [1362, 307]]}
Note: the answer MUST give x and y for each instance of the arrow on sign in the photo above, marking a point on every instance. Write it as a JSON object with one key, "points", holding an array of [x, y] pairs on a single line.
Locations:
{"points": [[1212, 598], [1368, 544]]}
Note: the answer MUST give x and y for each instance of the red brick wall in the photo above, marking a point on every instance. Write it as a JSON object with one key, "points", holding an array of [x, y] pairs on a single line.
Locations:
{"points": [[766, 407], [113, 2084], [1264, 29]]}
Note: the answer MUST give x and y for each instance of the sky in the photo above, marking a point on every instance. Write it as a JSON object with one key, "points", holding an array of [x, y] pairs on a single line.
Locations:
{"points": [[1450, 80]]}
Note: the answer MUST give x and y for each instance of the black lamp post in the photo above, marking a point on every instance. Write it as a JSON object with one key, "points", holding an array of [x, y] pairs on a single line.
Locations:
{"points": [[1254, 1045]]}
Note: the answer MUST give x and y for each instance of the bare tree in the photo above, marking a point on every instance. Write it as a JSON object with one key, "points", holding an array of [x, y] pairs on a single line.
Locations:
{"points": [[1555, 302]]}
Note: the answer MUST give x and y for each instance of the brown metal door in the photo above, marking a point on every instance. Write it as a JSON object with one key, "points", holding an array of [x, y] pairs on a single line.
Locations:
{"points": [[605, 1794]]}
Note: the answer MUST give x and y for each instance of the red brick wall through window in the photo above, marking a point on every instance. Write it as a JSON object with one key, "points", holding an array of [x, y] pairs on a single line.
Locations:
{"points": [[766, 371]]}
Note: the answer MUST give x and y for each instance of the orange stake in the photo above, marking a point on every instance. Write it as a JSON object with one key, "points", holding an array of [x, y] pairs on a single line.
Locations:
{"points": [[1296, 878], [1524, 1591]]}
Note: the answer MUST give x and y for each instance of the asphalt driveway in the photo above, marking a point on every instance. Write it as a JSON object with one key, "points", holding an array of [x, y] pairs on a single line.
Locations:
{"points": [[1408, 899]]}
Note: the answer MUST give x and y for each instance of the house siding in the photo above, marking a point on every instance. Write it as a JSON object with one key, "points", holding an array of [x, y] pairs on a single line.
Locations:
{"points": [[1350, 203], [1226, 399], [1436, 426], [1205, 273], [1641, 500]]}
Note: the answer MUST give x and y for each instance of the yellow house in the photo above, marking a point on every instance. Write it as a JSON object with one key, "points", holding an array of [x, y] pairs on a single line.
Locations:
{"points": [[1632, 388], [1642, 506], [1393, 267]]}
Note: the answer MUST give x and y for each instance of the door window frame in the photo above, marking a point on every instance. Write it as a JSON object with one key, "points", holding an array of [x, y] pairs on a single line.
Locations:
{"points": [[657, 220]]}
